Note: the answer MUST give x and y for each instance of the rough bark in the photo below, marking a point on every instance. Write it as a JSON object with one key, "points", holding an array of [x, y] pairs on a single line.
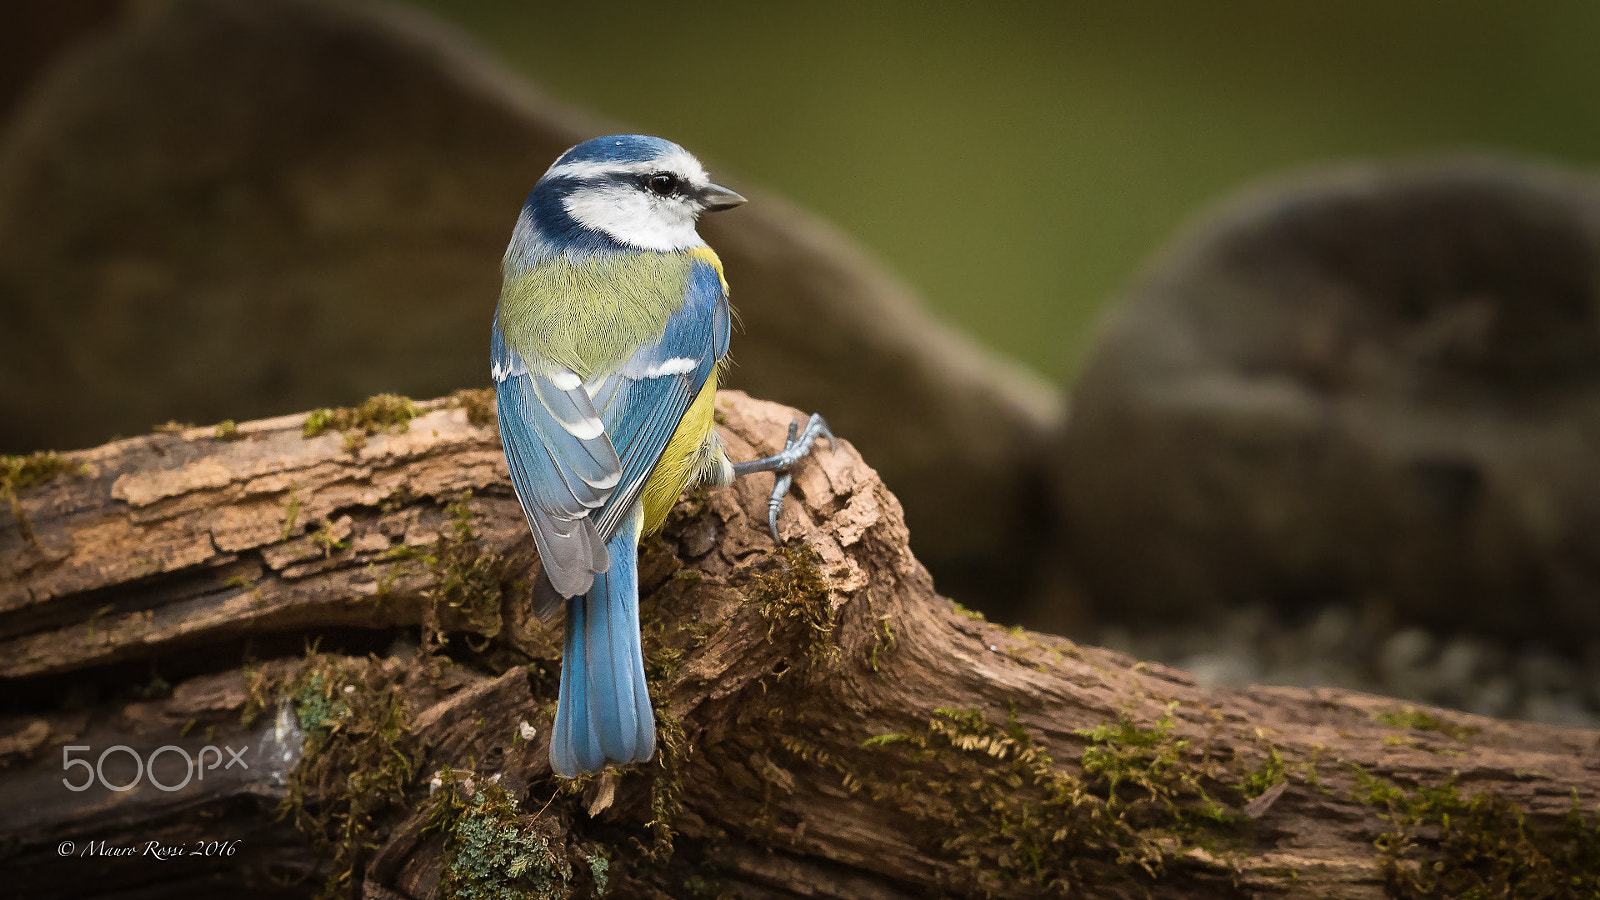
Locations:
{"points": [[830, 726]]}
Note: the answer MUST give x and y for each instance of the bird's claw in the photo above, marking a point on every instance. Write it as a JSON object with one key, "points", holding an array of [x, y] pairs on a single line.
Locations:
{"points": [[795, 448], [780, 486]]}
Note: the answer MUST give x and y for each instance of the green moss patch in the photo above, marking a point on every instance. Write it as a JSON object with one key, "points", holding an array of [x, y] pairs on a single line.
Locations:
{"points": [[1263, 778], [664, 651], [467, 578], [18, 473], [666, 791], [791, 590], [966, 613], [378, 415], [1410, 717], [291, 516], [479, 404], [356, 760], [882, 638], [1151, 762], [1017, 824], [1442, 844]]}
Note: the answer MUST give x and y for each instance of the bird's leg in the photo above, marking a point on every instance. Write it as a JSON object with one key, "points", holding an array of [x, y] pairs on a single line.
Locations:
{"points": [[795, 449]]}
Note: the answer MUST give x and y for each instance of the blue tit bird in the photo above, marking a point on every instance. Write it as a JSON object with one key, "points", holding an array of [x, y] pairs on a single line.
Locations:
{"points": [[607, 347]]}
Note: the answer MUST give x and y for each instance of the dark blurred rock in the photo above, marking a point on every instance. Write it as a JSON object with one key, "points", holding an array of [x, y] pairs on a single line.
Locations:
{"points": [[36, 33], [229, 210], [1379, 384]]}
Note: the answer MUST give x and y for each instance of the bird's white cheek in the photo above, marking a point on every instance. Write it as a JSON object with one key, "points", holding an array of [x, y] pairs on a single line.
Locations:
{"points": [[632, 218]]}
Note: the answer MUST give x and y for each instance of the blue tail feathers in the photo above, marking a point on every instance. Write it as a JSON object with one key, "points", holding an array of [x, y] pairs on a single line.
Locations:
{"points": [[603, 714]]}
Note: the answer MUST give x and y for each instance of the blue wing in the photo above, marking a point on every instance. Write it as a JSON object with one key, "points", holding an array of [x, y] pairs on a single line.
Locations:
{"points": [[580, 454], [562, 465], [656, 386]]}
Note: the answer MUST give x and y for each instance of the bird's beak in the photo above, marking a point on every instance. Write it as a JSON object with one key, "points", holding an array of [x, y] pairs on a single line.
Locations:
{"points": [[715, 197]]}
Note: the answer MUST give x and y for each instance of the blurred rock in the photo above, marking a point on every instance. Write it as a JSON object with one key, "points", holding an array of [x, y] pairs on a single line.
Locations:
{"points": [[1547, 672], [1330, 631], [1338, 647], [1377, 382], [36, 33], [1404, 652], [1496, 698], [1213, 670], [1460, 661], [229, 210]]}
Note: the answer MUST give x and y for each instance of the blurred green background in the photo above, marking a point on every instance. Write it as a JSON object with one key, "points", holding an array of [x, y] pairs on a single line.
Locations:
{"points": [[1016, 163]]}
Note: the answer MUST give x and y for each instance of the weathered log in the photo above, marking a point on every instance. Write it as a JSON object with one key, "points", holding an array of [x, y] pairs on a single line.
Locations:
{"points": [[829, 725]]}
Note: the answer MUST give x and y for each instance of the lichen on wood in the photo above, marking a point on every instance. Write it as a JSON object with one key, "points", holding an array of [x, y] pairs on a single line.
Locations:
{"points": [[493, 850]]}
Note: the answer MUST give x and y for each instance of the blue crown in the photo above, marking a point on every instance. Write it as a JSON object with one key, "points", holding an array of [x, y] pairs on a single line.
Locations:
{"points": [[619, 148]]}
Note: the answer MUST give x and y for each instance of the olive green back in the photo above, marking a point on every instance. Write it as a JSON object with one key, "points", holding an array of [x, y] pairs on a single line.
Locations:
{"points": [[590, 315]]}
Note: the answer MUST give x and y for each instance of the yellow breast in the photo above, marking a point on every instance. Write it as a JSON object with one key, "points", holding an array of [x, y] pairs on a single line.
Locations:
{"points": [[683, 458]]}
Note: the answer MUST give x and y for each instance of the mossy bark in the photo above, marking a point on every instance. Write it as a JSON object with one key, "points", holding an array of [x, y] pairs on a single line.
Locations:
{"points": [[829, 725]]}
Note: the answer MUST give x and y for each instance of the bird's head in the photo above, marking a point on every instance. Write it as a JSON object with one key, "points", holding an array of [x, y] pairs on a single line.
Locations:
{"points": [[640, 191]]}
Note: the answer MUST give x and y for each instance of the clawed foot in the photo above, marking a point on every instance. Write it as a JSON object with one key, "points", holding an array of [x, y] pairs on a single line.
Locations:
{"points": [[796, 448]]}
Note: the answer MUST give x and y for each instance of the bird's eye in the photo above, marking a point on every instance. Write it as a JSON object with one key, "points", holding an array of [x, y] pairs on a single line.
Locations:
{"points": [[663, 183]]}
